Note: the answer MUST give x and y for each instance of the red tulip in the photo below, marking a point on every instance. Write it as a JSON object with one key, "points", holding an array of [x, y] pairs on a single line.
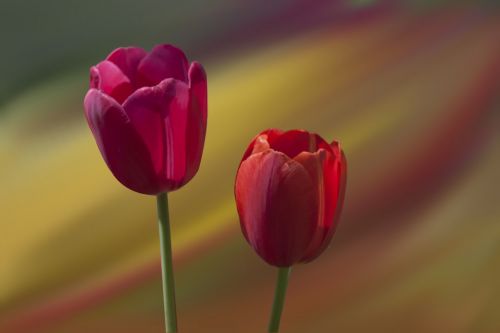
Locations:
{"points": [[148, 114], [289, 193]]}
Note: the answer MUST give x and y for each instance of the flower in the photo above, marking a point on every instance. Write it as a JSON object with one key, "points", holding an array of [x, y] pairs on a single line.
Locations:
{"points": [[289, 192], [148, 115]]}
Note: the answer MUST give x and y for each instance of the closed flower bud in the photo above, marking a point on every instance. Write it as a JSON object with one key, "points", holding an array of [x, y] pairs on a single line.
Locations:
{"points": [[148, 114], [289, 193]]}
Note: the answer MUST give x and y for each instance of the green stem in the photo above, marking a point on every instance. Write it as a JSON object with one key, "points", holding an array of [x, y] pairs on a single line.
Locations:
{"points": [[166, 264], [279, 298]]}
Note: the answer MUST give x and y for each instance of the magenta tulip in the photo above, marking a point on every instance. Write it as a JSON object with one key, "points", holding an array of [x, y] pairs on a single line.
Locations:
{"points": [[148, 115]]}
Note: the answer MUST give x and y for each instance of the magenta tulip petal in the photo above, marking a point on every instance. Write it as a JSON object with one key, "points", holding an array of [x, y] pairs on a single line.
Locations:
{"points": [[164, 61], [276, 202], [198, 89], [128, 59], [161, 116], [108, 78], [197, 114], [187, 128], [120, 146]]}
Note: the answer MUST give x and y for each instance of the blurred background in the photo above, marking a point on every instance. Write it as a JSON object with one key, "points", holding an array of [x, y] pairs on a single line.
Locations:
{"points": [[410, 88]]}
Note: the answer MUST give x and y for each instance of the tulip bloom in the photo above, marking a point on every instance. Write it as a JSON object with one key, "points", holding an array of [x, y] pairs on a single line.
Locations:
{"points": [[148, 114], [289, 193]]}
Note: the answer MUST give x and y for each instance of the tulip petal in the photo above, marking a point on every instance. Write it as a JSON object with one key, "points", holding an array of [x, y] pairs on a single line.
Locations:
{"points": [[164, 61], [197, 114], [120, 146], [315, 164], [261, 140], [335, 175], [293, 143], [161, 116], [198, 89], [128, 59], [338, 175], [108, 78], [277, 205], [290, 143]]}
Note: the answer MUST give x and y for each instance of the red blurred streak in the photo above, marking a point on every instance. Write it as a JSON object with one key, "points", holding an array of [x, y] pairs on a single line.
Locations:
{"points": [[67, 303], [442, 156]]}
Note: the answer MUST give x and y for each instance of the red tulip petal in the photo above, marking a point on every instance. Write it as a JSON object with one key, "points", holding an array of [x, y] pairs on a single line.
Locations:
{"points": [[164, 61], [262, 141], [316, 164], [119, 144], [260, 144], [294, 142], [128, 59], [342, 179], [335, 175], [322, 144], [108, 78], [277, 205], [162, 117]]}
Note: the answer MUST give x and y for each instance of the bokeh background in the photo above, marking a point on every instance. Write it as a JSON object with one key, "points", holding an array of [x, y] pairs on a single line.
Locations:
{"points": [[410, 88]]}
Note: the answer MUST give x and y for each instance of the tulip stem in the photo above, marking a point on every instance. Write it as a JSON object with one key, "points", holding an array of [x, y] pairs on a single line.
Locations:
{"points": [[279, 298], [166, 264]]}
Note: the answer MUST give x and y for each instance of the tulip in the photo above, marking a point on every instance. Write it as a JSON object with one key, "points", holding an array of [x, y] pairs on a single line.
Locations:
{"points": [[148, 115], [289, 193]]}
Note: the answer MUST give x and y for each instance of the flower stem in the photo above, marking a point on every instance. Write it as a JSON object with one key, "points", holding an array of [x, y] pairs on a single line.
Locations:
{"points": [[279, 298], [166, 264]]}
